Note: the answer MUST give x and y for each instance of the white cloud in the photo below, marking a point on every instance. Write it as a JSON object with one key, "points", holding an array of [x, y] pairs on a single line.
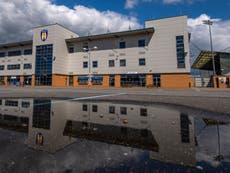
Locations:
{"points": [[171, 1], [131, 4], [200, 32], [18, 17]]}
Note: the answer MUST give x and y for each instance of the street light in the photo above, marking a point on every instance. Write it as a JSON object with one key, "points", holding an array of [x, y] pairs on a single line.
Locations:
{"points": [[209, 23], [88, 50]]}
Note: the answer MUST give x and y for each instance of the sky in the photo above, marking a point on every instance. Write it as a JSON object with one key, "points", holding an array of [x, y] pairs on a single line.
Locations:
{"points": [[18, 17]]}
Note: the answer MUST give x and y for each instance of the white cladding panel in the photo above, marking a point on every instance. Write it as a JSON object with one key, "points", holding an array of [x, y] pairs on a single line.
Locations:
{"points": [[159, 53], [163, 43], [21, 59], [56, 36]]}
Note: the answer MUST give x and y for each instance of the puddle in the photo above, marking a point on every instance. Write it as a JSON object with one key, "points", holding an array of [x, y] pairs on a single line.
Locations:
{"points": [[45, 135]]}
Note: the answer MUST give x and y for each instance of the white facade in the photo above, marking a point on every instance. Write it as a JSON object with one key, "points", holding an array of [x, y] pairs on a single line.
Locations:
{"points": [[158, 51]]}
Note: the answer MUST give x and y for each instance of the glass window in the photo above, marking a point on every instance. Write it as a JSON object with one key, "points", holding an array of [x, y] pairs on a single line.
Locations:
{"points": [[2, 54], [42, 114], [157, 80], [122, 45], [94, 108], [28, 52], [95, 64], [85, 64], [71, 50], [133, 80], [123, 110], [83, 80], [25, 104], [2, 67], [112, 109], [141, 61], [13, 67], [143, 112], [43, 65], [97, 80], [27, 66], [122, 62], [14, 53], [180, 51], [185, 134], [141, 43], [11, 103], [111, 63], [84, 107]]}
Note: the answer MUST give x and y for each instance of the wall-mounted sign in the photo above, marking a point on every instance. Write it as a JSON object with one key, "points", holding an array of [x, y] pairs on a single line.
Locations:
{"points": [[44, 34]]}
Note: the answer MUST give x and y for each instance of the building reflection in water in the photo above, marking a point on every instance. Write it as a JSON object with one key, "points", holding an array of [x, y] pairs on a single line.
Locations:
{"points": [[167, 134]]}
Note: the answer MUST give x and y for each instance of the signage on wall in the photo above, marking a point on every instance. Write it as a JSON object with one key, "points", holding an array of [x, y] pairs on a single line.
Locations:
{"points": [[44, 34]]}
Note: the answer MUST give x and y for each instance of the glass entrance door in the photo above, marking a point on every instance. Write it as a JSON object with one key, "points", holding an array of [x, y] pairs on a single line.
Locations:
{"points": [[71, 81]]}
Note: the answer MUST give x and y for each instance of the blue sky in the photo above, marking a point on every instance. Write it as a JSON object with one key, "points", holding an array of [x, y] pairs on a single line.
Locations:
{"points": [[148, 9], [19, 17]]}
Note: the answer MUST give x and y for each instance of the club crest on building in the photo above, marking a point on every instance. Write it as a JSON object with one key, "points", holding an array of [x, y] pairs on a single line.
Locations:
{"points": [[44, 34]]}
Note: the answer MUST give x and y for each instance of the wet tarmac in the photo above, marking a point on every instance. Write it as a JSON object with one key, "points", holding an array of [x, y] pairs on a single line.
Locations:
{"points": [[68, 136]]}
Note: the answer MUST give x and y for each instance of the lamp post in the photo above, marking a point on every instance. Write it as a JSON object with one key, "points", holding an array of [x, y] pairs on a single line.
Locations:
{"points": [[88, 50], [209, 23]]}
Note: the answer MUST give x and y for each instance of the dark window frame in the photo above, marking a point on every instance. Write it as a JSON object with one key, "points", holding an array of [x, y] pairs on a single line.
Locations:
{"points": [[142, 62], [85, 107], [15, 53], [27, 52], [2, 67], [95, 64], [13, 67], [123, 110], [85, 64], [122, 62], [122, 44], [111, 63], [2, 54], [27, 66], [180, 52], [141, 43], [143, 112], [112, 109], [94, 108]]}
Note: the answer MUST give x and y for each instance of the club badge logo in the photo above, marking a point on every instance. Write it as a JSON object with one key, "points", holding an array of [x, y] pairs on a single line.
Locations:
{"points": [[44, 34]]}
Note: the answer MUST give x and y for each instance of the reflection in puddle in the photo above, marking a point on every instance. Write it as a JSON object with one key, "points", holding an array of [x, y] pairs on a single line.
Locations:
{"points": [[165, 134]]}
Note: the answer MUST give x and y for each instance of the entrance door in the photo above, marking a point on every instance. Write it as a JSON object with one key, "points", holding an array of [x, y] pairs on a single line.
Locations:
{"points": [[217, 82], [71, 81], [157, 80], [112, 80]]}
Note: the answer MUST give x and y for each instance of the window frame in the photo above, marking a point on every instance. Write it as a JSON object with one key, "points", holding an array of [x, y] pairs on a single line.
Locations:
{"points": [[85, 64], [142, 64], [121, 64], [141, 43], [122, 44], [113, 63], [95, 64]]}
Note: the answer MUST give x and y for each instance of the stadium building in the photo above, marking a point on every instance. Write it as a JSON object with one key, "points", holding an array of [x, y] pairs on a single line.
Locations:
{"points": [[156, 56]]}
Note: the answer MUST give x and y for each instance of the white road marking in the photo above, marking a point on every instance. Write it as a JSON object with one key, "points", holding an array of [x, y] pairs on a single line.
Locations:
{"points": [[82, 98]]}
